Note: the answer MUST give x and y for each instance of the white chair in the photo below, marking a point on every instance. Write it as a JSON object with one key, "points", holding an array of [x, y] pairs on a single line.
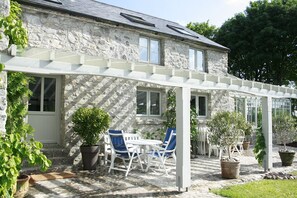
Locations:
{"points": [[121, 151], [238, 147], [159, 154], [218, 151], [107, 146]]}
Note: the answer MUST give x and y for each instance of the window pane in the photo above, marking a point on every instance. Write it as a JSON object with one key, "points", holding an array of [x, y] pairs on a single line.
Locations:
{"points": [[193, 102], [141, 102], [143, 47], [49, 96], [154, 52], [155, 103], [199, 61], [35, 99], [191, 59], [202, 106]]}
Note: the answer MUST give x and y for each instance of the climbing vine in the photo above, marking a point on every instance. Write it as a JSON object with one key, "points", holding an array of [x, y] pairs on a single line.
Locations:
{"points": [[13, 26], [17, 144], [170, 119], [260, 146]]}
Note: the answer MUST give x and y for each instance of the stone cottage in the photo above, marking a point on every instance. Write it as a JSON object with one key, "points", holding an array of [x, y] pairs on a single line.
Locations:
{"points": [[86, 53], [93, 28]]}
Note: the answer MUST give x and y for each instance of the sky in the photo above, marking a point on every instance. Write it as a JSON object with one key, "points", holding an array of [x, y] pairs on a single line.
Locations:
{"points": [[185, 11]]}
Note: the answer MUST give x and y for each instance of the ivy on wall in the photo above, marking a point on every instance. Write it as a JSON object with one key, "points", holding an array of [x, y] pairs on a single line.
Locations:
{"points": [[17, 144]]}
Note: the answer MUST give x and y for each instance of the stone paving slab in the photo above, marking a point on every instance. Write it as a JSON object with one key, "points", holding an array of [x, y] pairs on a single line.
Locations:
{"points": [[205, 175]]}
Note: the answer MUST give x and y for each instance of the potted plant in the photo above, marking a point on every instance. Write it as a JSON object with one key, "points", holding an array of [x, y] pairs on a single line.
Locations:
{"points": [[285, 131], [225, 128], [89, 123], [248, 129]]}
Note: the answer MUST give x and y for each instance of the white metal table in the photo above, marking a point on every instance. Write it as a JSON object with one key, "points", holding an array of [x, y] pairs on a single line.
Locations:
{"points": [[144, 144]]}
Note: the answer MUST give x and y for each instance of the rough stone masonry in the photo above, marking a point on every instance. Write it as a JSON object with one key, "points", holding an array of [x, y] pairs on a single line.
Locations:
{"points": [[4, 12]]}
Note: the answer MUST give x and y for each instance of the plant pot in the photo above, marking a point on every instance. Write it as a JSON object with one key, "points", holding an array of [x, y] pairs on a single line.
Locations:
{"points": [[246, 145], [22, 186], [287, 157], [230, 169], [89, 156]]}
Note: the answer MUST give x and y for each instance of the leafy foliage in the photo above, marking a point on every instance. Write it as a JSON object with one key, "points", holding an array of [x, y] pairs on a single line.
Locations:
{"points": [[170, 115], [284, 128], [263, 42], [17, 145], [89, 123], [204, 29], [225, 128], [260, 146], [13, 26]]}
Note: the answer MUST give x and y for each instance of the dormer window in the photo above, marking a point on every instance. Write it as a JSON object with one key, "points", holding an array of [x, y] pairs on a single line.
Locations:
{"points": [[196, 60], [181, 30], [137, 19]]}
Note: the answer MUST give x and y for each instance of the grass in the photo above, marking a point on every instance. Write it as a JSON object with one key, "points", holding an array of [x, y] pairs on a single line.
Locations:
{"points": [[262, 188]]}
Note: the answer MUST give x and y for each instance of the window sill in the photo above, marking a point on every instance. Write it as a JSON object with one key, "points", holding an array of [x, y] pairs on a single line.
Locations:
{"points": [[149, 120]]}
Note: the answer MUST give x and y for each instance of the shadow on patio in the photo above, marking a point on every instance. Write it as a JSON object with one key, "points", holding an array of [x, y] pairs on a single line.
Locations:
{"points": [[205, 174]]}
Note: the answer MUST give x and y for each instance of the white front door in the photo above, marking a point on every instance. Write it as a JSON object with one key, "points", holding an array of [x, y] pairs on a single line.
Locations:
{"points": [[44, 108]]}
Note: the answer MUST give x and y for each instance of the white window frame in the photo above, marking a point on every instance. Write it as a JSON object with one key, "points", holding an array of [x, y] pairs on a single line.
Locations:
{"points": [[149, 50], [148, 105], [197, 104], [195, 60], [42, 97]]}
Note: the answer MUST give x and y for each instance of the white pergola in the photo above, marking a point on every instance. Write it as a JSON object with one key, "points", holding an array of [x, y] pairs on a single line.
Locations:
{"points": [[55, 62]]}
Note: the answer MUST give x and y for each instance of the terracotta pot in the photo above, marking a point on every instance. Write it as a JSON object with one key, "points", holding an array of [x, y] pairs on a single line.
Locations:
{"points": [[287, 157], [89, 156], [246, 145], [22, 186], [230, 169]]}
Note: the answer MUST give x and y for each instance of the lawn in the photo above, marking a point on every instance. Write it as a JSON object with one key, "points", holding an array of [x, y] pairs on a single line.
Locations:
{"points": [[262, 188]]}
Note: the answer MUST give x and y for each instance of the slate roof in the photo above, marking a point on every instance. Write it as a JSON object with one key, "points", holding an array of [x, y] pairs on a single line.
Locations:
{"points": [[112, 14]]}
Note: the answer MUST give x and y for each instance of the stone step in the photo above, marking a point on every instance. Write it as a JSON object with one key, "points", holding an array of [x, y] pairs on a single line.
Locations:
{"points": [[59, 157]]}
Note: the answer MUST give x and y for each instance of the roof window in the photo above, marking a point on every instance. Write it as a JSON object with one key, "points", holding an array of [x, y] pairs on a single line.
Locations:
{"points": [[54, 1], [181, 30], [137, 19]]}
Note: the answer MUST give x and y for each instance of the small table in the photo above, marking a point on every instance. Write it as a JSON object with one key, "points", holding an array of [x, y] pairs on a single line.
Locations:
{"points": [[144, 143]]}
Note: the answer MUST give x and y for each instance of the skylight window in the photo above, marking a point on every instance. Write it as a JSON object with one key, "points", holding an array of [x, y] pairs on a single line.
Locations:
{"points": [[54, 1], [137, 19], [181, 30]]}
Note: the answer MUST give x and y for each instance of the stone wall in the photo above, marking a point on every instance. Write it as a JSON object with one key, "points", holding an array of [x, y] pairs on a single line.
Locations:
{"points": [[4, 11], [217, 63], [3, 101], [49, 29]]}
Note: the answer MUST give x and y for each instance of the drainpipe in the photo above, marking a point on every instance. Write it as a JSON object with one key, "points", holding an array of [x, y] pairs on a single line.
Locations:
{"points": [[183, 163], [267, 131]]}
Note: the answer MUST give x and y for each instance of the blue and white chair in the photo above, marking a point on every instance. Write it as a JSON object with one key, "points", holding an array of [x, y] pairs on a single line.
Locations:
{"points": [[160, 154], [121, 151]]}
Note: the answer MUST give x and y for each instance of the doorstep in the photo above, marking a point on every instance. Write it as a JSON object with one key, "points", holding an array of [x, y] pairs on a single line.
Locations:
{"points": [[51, 176]]}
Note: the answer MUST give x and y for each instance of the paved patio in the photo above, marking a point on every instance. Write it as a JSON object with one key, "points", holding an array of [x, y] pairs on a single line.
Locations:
{"points": [[205, 174]]}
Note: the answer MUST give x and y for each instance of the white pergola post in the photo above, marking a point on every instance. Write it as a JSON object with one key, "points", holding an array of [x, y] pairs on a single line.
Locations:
{"points": [[183, 163], [267, 131]]}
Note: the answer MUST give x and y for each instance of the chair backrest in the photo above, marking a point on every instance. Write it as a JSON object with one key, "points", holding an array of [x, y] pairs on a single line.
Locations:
{"points": [[167, 136], [171, 143], [118, 142], [131, 136]]}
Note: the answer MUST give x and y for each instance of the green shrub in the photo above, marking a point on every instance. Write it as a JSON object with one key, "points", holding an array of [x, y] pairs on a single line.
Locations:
{"points": [[225, 128], [284, 128], [89, 123]]}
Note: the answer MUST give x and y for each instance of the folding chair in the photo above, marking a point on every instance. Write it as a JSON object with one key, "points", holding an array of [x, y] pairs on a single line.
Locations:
{"points": [[120, 150], [161, 154]]}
